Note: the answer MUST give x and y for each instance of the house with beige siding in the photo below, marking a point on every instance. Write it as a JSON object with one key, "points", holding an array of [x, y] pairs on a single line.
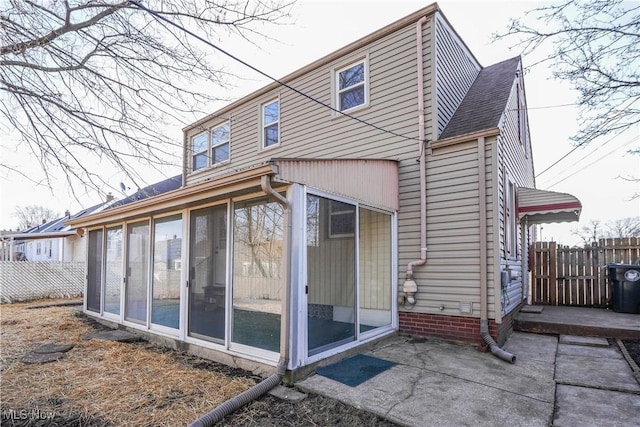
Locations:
{"points": [[385, 188]]}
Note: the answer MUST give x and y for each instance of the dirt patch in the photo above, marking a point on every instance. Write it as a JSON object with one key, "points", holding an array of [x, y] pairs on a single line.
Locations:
{"points": [[633, 347], [101, 383]]}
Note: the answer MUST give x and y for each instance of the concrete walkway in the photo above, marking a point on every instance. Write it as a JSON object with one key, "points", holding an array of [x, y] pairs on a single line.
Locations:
{"points": [[438, 383]]}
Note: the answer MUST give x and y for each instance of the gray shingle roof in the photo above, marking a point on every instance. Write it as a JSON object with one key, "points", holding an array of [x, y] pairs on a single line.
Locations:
{"points": [[486, 100]]}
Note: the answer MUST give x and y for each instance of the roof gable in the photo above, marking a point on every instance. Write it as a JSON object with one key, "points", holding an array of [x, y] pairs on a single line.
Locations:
{"points": [[486, 100]]}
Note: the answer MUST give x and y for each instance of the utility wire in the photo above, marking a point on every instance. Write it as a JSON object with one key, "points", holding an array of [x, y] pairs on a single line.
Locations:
{"points": [[281, 83], [592, 163], [574, 149]]}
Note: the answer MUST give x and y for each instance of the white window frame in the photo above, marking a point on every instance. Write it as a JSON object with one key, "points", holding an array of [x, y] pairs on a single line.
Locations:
{"points": [[220, 144], [265, 125], [364, 84], [194, 154], [510, 219]]}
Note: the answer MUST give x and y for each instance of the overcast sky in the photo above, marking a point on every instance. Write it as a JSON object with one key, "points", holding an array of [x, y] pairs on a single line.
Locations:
{"points": [[593, 174]]}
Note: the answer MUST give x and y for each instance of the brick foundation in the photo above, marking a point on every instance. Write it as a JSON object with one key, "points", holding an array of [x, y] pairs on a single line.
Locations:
{"points": [[456, 328]]}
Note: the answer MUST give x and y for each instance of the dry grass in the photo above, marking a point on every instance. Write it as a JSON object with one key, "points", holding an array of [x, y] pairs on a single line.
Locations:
{"points": [[118, 383]]}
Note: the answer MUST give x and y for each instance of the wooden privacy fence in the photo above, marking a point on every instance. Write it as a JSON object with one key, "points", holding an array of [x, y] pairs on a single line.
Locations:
{"points": [[561, 275]]}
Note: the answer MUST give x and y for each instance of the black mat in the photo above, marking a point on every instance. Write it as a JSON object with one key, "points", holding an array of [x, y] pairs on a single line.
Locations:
{"points": [[355, 370]]}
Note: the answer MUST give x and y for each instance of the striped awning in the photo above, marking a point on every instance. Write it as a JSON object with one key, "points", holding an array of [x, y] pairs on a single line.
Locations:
{"points": [[543, 207]]}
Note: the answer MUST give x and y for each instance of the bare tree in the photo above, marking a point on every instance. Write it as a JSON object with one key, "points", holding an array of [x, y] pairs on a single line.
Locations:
{"points": [[623, 227], [102, 79], [32, 215], [595, 230], [590, 232], [595, 46]]}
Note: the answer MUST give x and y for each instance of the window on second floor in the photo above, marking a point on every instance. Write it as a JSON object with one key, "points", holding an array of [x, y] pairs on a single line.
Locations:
{"points": [[211, 148], [351, 86], [220, 137], [271, 123], [200, 147]]}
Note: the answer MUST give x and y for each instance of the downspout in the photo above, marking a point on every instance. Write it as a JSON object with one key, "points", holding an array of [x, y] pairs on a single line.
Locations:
{"points": [[484, 318], [273, 380], [410, 287]]}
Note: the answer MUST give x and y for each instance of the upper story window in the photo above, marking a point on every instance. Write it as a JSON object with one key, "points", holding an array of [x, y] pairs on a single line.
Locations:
{"points": [[200, 146], [351, 86], [211, 148], [271, 123], [220, 137]]}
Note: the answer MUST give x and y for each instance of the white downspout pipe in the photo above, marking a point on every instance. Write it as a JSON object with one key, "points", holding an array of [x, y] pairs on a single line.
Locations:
{"points": [[484, 297], [273, 380], [410, 287]]}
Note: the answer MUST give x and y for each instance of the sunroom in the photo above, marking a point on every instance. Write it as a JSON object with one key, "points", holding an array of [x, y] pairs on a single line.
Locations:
{"points": [[232, 265]]}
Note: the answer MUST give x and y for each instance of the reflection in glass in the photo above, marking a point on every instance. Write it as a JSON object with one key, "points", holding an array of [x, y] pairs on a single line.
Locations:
{"points": [[167, 267], [331, 311], [375, 269], [270, 119], [113, 270], [207, 272], [135, 308], [94, 271], [257, 273]]}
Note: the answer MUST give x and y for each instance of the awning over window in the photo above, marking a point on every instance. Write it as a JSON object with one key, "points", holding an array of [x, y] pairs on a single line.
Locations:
{"points": [[543, 207]]}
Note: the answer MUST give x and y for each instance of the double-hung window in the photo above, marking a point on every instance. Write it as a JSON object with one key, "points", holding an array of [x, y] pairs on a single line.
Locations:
{"points": [[351, 86], [200, 147], [271, 123], [211, 148], [220, 137]]}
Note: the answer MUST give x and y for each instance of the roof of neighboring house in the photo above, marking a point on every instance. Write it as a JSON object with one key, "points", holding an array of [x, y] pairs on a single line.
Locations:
{"points": [[168, 184], [54, 228], [486, 100]]}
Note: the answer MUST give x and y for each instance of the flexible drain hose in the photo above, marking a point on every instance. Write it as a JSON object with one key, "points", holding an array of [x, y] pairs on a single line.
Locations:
{"points": [[493, 346], [242, 399]]}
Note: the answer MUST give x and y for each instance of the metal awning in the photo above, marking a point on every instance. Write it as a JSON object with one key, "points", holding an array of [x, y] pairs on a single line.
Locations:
{"points": [[543, 207]]}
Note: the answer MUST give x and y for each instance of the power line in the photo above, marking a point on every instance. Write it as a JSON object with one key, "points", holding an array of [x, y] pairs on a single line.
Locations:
{"points": [[592, 163], [281, 83]]}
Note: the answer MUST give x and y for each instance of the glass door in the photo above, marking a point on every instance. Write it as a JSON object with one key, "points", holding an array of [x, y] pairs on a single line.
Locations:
{"points": [[331, 273], [208, 273], [258, 242], [113, 271], [137, 276], [167, 268], [94, 271]]}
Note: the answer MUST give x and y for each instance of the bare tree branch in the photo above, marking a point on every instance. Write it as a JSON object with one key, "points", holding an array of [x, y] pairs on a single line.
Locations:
{"points": [[99, 81], [595, 46]]}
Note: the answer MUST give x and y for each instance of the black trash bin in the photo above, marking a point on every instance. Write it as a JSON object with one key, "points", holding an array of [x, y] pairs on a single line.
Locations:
{"points": [[625, 279]]}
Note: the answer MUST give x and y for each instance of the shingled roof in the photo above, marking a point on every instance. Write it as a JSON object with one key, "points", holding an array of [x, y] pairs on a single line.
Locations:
{"points": [[158, 188], [486, 100]]}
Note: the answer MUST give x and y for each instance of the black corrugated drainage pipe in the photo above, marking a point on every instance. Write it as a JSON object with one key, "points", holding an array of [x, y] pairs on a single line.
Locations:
{"points": [[242, 399], [493, 346], [273, 380]]}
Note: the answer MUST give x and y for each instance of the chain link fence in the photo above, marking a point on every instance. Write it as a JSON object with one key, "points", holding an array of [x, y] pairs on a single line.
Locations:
{"points": [[23, 281]]}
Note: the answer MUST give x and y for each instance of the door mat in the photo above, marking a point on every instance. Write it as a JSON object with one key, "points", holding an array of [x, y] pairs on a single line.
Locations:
{"points": [[355, 370]]}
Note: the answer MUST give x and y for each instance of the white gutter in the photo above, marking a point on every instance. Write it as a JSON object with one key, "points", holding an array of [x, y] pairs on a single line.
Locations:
{"points": [[410, 287]]}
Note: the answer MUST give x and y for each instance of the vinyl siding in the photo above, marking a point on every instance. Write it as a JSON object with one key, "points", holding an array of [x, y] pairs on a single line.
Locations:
{"points": [[514, 161], [311, 131], [456, 70]]}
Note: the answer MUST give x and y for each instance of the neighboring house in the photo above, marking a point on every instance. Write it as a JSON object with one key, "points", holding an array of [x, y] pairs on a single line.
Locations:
{"points": [[51, 241], [304, 233]]}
